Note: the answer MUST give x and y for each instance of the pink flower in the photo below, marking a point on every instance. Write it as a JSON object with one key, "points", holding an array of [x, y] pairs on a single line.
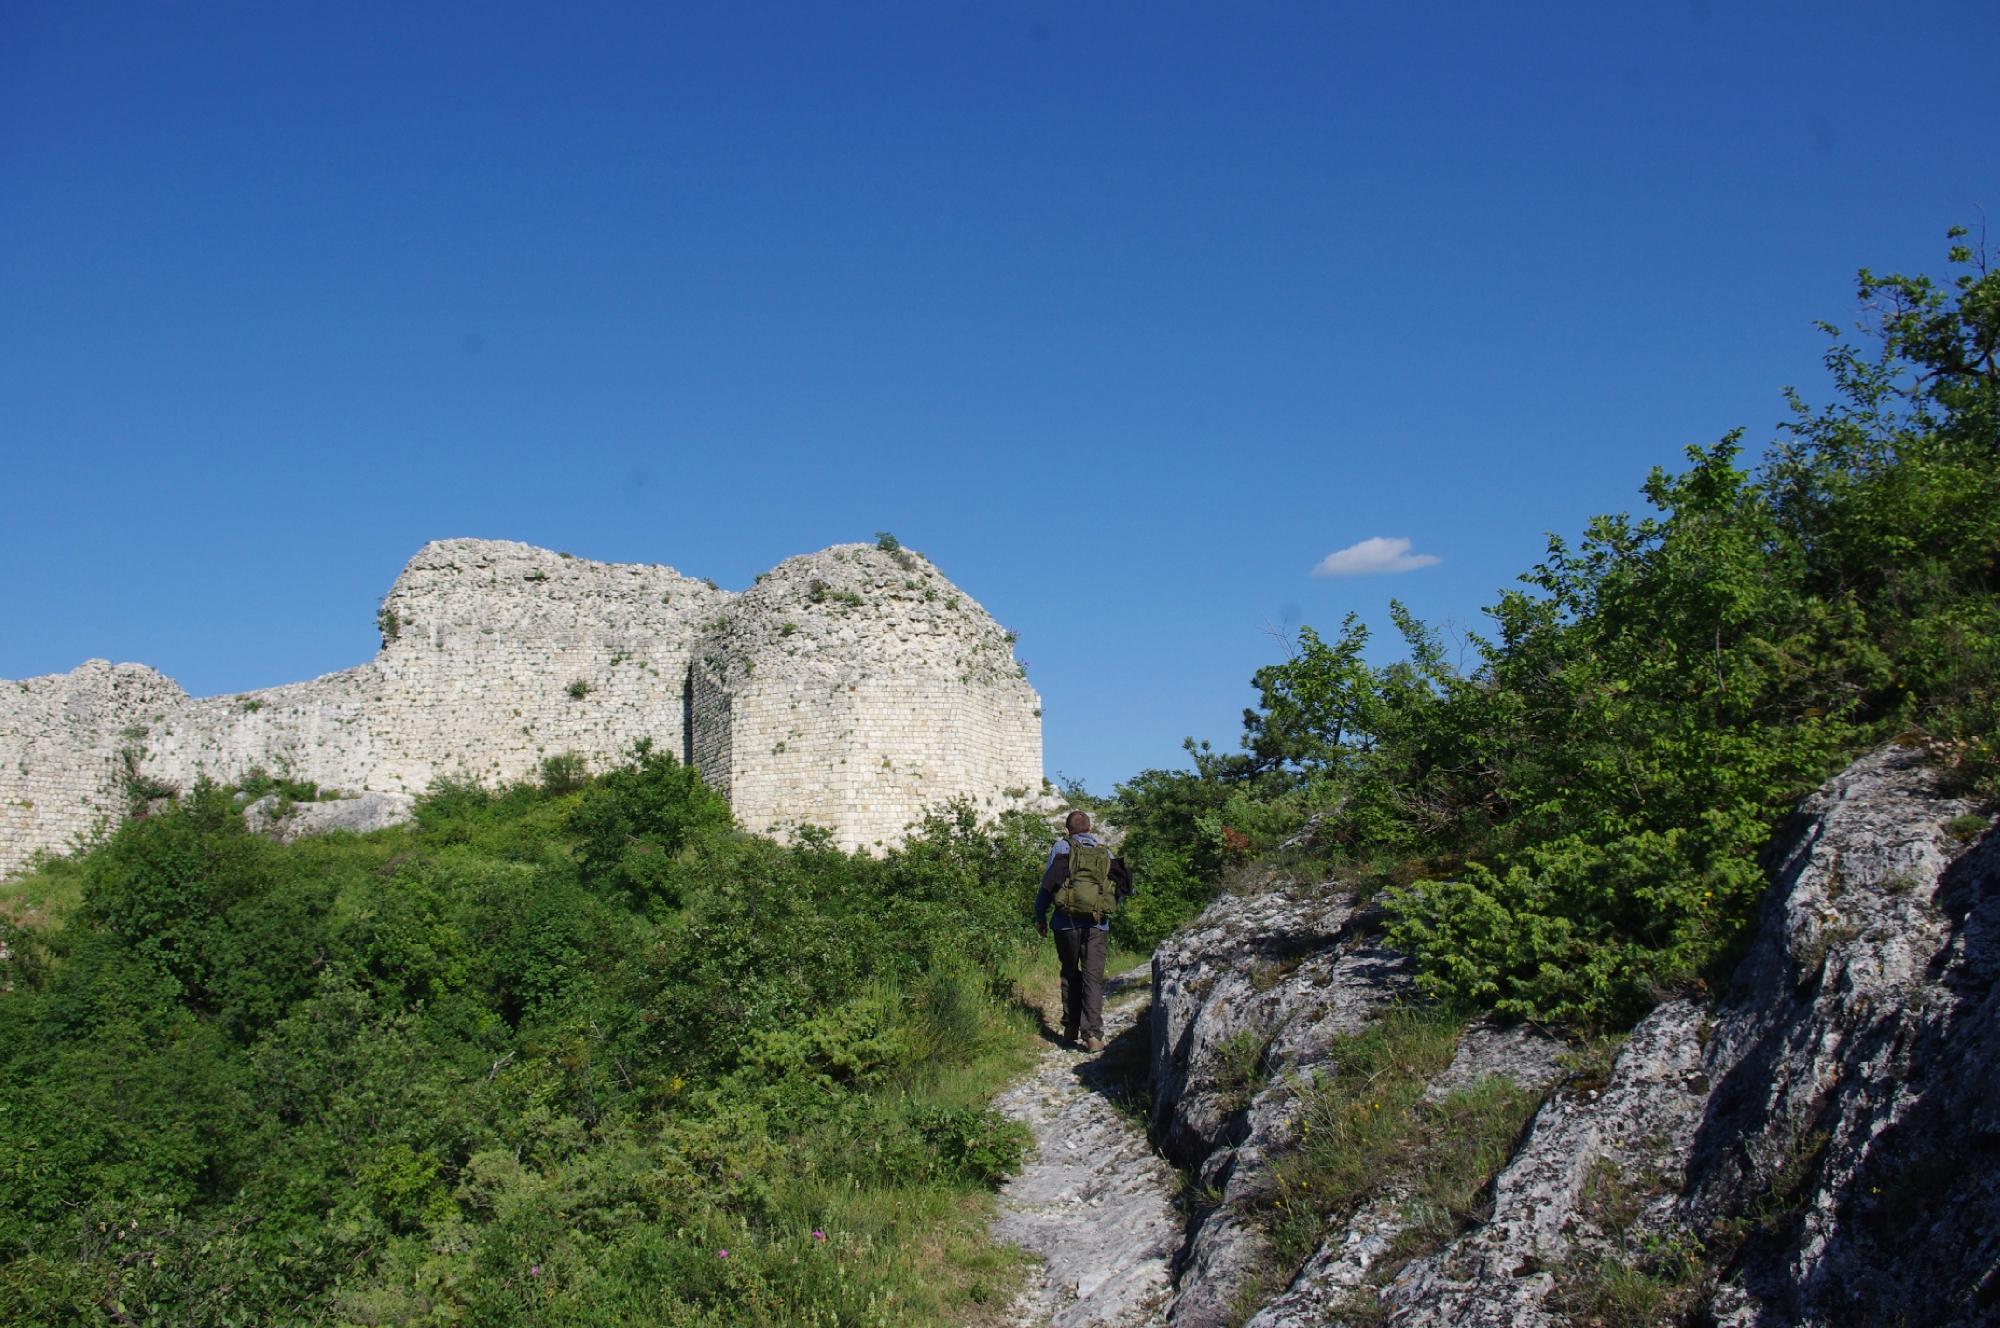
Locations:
{"points": [[534, 1270], [818, 1234], [722, 1254]]}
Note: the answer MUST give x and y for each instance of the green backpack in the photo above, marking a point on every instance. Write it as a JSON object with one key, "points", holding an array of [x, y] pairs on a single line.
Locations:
{"points": [[1088, 891]]}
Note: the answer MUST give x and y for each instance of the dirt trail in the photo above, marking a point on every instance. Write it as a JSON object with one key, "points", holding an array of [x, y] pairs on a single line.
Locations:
{"points": [[1093, 1202]]}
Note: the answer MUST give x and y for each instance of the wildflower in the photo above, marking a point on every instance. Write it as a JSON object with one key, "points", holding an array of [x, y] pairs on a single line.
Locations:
{"points": [[818, 1234], [722, 1254], [534, 1270]]}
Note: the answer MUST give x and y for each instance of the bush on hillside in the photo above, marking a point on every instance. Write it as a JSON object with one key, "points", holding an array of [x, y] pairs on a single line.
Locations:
{"points": [[537, 1059], [1657, 695]]}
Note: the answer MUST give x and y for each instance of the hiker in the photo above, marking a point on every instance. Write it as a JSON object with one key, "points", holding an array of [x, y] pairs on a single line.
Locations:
{"points": [[1077, 882]]}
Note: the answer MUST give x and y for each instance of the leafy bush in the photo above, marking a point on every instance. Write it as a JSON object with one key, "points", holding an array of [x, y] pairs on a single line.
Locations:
{"points": [[632, 827], [1592, 791], [539, 1058], [565, 772]]}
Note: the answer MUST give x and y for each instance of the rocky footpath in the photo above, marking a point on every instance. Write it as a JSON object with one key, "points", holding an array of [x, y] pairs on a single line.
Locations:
{"points": [[1817, 1148], [1093, 1202]]}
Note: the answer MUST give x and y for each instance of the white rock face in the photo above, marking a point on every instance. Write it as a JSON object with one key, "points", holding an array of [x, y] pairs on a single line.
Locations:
{"points": [[1829, 1132], [1856, 1062], [1287, 971], [357, 815], [850, 689], [1290, 970]]}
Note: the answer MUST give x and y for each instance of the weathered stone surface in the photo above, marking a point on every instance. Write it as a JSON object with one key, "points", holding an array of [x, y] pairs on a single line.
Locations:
{"points": [[1841, 1106], [62, 739], [1635, 1131], [851, 689], [1857, 1062], [286, 822], [1094, 1201], [1524, 1055], [1260, 983], [1289, 968]]}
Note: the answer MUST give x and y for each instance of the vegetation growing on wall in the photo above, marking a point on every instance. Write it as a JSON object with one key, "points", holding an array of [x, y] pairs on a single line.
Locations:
{"points": [[1568, 825]]}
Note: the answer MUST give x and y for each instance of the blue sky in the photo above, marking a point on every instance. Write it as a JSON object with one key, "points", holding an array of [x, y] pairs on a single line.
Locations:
{"points": [[1127, 315]]}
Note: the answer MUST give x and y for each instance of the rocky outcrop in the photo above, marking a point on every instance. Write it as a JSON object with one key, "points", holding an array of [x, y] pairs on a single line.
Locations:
{"points": [[1817, 1148], [1856, 1063], [286, 821], [1247, 1002], [1552, 1205]]}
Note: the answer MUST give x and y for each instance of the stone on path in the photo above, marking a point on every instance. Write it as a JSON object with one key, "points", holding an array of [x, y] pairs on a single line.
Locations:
{"points": [[1093, 1202]]}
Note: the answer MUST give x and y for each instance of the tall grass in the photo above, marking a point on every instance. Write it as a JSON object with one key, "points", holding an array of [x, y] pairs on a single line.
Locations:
{"points": [[1367, 1131]]}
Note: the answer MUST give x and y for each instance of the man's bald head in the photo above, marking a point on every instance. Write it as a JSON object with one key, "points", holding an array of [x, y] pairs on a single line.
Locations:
{"points": [[1078, 822]]}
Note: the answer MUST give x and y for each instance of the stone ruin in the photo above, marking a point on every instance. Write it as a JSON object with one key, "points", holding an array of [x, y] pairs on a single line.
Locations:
{"points": [[849, 689]]}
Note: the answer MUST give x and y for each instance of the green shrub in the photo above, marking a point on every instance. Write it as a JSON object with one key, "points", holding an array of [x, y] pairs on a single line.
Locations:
{"points": [[483, 1069], [632, 826], [565, 772], [1568, 813]]}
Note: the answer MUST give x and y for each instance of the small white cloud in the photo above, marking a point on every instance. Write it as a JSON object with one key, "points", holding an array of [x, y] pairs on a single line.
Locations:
{"points": [[1373, 557]]}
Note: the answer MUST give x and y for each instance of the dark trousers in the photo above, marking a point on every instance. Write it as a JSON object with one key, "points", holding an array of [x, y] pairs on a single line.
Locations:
{"points": [[1081, 950]]}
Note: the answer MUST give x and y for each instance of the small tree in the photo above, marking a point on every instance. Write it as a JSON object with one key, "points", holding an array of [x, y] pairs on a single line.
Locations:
{"points": [[634, 824]]}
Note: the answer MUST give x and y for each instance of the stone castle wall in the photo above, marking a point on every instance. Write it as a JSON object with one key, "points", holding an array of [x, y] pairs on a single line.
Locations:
{"points": [[62, 740], [849, 689], [852, 686]]}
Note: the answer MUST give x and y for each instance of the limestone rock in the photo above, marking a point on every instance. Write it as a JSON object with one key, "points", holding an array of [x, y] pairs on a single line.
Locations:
{"points": [[286, 822], [1635, 1131], [1830, 1129], [1244, 1001], [1293, 970], [1857, 1067]]}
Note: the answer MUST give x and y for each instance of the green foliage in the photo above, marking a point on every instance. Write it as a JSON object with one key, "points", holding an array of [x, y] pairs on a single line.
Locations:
{"points": [[138, 787], [166, 885], [565, 772], [1593, 783], [539, 1058], [634, 827], [258, 782], [1241, 1070], [1182, 832]]}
